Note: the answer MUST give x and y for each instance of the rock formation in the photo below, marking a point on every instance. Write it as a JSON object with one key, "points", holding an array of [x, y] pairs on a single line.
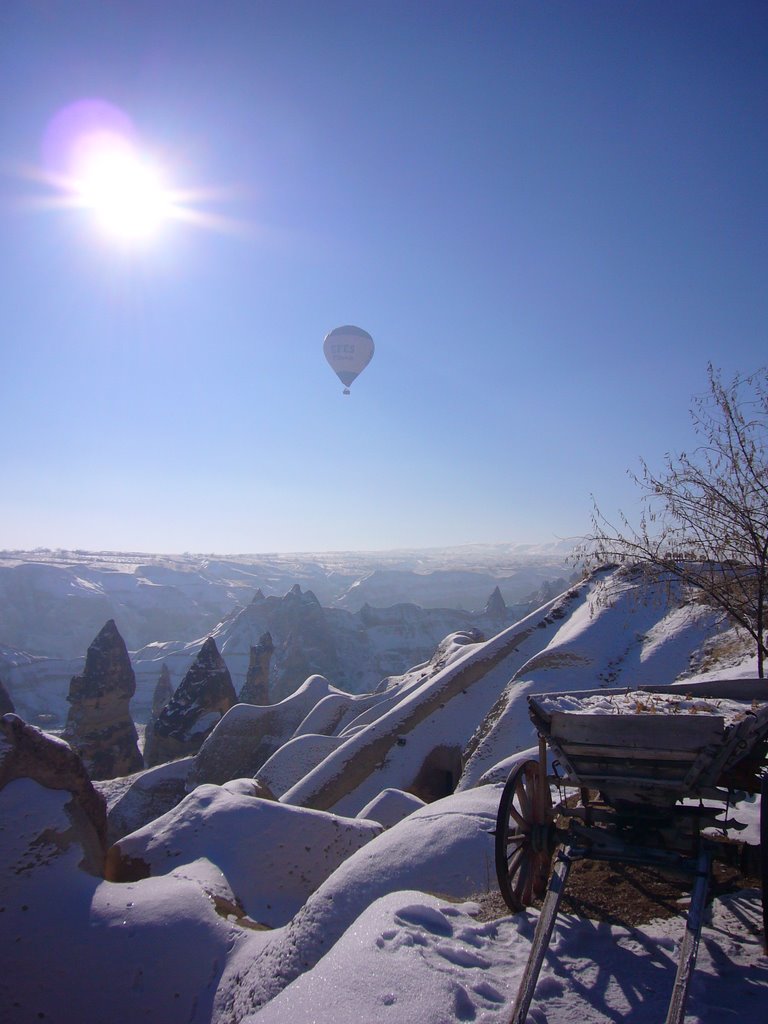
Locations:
{"points": [[308, 644], [496, 608], [135, 800], [390, 807], [99, 724], [161, 696], [301, 637], [248, 735], [163, 692], [6, 704], [256, 687], [204, 695], [28, 753], [418, 743]]}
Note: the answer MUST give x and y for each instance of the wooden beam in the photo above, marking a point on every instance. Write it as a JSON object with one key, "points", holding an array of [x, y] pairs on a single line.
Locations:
{"points": [[542, 935], [690, 944], [668, 732]]}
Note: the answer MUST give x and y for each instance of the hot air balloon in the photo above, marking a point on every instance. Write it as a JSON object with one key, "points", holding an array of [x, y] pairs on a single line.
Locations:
{"points": [[348, 350]]}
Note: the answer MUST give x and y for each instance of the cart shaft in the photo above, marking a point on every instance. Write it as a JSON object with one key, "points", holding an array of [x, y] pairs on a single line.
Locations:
{"points": [[542, 935]]}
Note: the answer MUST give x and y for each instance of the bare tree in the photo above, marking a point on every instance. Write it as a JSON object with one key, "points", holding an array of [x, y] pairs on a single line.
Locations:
{"points": [[705, 516]]}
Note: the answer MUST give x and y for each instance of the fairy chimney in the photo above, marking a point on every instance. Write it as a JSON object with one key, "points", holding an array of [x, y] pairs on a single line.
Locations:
{"points": [[99, 724]]}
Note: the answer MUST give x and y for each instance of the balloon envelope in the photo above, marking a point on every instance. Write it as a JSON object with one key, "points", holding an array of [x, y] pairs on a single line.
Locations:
{"points": [[348, 351]]}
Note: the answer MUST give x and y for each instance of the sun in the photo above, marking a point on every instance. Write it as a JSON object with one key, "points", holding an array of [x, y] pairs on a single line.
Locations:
{"points": [[123, 190], [95, 162]]}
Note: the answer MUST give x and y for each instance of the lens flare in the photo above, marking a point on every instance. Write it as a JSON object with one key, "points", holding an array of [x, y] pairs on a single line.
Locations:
{"points": [[123, 190], [93, 157], [94, 161]]}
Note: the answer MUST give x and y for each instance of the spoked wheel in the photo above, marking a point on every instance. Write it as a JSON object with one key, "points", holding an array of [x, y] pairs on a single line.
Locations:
{"points": [[524, 836]]}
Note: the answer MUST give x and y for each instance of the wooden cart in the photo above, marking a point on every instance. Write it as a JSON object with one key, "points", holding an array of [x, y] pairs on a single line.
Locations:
{"points": [[643, 777]]}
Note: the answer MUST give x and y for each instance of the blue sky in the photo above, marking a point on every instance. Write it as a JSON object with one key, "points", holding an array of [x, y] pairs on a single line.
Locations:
{"points": [[549, 216]]}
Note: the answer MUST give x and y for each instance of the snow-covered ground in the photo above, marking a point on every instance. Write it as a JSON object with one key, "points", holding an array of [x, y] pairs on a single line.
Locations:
{"points": [[372, 943], [411, 957], [284, 912]]}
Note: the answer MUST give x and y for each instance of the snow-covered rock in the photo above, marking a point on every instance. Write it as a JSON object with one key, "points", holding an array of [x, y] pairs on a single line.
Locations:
{"points": [[295, 759], [247, 735], [390, 807], [76, 948], [444, 848], [271, 855], [420, 958], [417, 743], [366, 926], [413, 957], [135, 800], [610, 631], [30, 756]]}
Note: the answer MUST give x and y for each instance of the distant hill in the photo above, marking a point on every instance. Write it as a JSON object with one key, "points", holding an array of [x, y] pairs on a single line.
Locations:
{"points": [[357, 621], [53, 603]]}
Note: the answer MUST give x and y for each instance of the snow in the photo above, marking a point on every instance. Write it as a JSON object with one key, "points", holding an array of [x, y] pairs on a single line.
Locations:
{"points": [[418, 958], [133, 800], [366, 923], [295, 759], [77, 948], [390, 807], [639, 702], [157, 950], [596, 635], [398, 736], [445, 848], [280, 855]]}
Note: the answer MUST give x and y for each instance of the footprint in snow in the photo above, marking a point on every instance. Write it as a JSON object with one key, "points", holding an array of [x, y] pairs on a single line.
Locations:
{"points": [[425, 917], [460, 956]]}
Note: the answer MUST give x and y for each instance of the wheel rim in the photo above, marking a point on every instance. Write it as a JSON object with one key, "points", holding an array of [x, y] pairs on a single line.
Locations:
{"points": [[524, 837]]}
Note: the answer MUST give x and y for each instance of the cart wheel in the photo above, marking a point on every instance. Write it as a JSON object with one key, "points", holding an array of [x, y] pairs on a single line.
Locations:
{"points": [[524, 836], [764, 854]]}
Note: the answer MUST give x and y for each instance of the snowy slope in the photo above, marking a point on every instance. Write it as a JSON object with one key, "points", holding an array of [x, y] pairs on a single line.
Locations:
{"points": [[612, 631]]}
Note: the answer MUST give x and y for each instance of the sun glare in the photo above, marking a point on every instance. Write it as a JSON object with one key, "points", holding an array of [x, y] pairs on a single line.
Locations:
{"points": [[94, 161], [123, 190]]}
